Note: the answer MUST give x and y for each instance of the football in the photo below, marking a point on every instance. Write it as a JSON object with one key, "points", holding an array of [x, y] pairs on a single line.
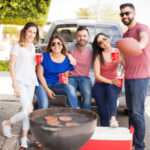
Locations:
{"points": [[129, 47]]}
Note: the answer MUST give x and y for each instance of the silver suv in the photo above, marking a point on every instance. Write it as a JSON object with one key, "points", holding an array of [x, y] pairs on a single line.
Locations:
{"points": [[67, 29]]}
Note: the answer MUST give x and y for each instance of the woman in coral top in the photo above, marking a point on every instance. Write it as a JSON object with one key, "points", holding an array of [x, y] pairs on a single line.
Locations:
{"points": [[106, 90]]}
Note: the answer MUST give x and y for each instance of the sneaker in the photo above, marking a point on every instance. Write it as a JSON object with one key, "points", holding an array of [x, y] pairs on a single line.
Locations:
{"points": [[114, 123], [24, 142], [6, 130]]}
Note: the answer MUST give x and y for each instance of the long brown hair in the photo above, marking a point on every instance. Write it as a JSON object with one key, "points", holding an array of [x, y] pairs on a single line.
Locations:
{"points": [[23, 31], [64, 50], [97, 50]]}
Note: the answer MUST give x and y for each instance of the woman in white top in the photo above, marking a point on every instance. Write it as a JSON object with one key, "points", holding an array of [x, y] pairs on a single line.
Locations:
{"points": [[22, 70]]}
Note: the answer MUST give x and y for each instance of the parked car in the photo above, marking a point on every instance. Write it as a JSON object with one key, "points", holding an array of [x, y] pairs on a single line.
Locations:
{"points": [[67, 29]]}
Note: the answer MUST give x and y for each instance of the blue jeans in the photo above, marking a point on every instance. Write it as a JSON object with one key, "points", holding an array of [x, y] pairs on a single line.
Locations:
{"points": [[136, 91], [58, 89], [85, 86], [106, 99]]}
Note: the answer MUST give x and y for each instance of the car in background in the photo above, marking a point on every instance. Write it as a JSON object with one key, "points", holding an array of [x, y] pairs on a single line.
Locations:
{"points": [[67, 29]]}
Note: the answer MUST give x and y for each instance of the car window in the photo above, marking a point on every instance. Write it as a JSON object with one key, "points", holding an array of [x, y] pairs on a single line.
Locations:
{"points": [[111, 31], [67, 32]]}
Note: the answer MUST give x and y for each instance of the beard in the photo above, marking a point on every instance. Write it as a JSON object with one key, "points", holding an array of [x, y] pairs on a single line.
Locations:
{"points": [[82, 44], [127, 23]]}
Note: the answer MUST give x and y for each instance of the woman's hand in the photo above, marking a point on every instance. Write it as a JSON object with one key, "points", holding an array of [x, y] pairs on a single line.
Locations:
{"points": [[51, 94], [16, 90], [115, 82], [72, 60]]}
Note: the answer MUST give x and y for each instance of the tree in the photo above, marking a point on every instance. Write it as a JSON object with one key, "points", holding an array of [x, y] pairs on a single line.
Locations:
{"points": [[84, 13], [21, 11], [108, 14], [99, 12]]}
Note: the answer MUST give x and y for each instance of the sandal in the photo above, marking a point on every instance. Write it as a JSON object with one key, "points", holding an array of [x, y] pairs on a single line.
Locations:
{"points": [[38, 145]]}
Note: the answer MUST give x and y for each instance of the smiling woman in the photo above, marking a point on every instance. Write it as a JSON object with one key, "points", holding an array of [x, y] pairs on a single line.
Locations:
{"points": [[22, 70], [55, 63]]}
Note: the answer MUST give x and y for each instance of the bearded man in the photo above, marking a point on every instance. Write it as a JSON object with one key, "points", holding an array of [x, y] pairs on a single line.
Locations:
{"points": [[137, 73], [79, 77]]}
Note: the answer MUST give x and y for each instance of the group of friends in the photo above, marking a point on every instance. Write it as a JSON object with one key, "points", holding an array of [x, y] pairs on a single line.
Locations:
{"points": [[75, 60]]}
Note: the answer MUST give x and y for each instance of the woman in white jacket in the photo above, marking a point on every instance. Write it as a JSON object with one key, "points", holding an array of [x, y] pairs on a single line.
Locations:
{"points": [[22, 70]]}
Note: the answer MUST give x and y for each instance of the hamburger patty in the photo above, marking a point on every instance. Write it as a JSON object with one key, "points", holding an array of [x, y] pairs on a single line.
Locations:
{"points": [[65, 118]]}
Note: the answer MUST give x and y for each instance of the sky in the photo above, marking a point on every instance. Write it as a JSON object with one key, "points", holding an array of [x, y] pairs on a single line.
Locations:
{"points": [[65, 9]]}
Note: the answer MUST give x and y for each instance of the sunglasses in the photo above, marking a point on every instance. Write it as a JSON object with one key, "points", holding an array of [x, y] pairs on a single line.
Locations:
{"points": [[54, 43], [101, 42], [127, 13]]}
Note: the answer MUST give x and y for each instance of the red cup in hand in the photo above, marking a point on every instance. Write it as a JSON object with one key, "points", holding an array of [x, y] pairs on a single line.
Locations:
{"points": [[38, 58], [120, 79], [115, 56], [62, 77]]}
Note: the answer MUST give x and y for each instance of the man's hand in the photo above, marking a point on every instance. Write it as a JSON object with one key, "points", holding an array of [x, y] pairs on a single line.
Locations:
{"points": [[72, 60]]}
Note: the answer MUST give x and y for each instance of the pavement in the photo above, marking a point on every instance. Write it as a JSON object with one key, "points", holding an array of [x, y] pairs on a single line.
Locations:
{"points": [[9, 105]]}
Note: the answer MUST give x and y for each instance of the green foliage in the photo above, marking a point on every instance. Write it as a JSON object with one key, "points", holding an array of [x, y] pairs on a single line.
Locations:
{"points": [[84, 13], [4, 66], [99, 11], [21, 11], [108, 14], [10, 30]]}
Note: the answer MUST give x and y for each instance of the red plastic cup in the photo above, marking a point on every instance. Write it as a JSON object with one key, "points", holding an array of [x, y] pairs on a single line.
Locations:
{"points": [[121, 81], [62, 77], [115, 56], [38, 58]]}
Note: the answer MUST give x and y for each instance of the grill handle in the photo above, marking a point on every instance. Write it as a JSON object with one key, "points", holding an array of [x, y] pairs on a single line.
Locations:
{"points": [[50, 128]]}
